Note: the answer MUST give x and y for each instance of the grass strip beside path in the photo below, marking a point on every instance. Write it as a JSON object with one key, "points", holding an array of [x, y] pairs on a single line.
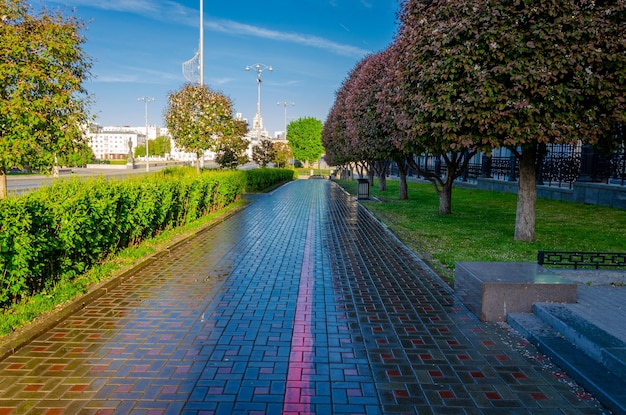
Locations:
{"points": [[482, 225], [29, 313]]}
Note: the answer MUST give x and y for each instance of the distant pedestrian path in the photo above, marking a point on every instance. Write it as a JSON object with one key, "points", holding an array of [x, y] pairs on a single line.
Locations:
{"points": [[301, 303]]}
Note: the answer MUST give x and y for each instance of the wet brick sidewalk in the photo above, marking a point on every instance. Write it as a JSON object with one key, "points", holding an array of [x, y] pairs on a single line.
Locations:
{"points": [[299, 304]]}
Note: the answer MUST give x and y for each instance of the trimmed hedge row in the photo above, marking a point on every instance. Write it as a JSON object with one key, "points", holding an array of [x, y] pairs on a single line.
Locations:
{"points": [[261, 179], [59, 232]]}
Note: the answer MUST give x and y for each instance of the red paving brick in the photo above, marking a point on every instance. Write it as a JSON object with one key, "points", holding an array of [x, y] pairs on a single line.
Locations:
{"points": [[301, 303]]}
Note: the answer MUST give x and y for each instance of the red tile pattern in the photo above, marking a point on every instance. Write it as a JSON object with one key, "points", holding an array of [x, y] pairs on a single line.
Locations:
{"points": [[300, 304]]}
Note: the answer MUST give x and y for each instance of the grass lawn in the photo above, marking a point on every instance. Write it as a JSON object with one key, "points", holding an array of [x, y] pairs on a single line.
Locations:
{"points": [[482, 225]]}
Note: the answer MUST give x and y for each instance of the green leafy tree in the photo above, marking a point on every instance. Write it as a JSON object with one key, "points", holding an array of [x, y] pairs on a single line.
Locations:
{"points": [[140, 151], [517, 74], [157, 147], [282, 154], [80, 155], [305, 139], [198, 118], [43, 104], [231, 149], [162, 146], [263, 153]]}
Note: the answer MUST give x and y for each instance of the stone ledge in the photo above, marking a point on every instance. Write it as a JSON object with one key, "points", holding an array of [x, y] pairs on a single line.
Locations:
{"points": [[491, 290]]}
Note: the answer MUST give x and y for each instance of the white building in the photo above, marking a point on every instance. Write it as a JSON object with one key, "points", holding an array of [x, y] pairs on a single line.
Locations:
{"points": [[114, 142]]}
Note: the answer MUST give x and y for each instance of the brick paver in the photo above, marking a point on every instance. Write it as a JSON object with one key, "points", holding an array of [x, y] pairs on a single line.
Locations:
{"points": [[299, 304]]}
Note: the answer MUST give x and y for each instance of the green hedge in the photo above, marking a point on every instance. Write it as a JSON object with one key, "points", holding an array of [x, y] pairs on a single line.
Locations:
{"points": [[261, 179], [59, 232]]}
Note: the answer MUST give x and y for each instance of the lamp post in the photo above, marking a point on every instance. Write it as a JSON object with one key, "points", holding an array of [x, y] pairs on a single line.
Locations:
{"points": [[258, 121], [286, 104], [146, 100]]}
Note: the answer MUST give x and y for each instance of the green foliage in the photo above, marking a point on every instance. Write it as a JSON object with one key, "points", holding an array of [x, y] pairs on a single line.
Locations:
{"points": [[140, 151], [305, 139], [263, 153], [282, 154], [59, 232], [481, 228], [42, 101], [157, 147], [198, 118], [160, 146], [261, 179]]}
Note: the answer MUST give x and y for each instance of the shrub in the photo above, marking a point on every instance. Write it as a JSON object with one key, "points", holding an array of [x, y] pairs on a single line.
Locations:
{"points": [[61, 231]]}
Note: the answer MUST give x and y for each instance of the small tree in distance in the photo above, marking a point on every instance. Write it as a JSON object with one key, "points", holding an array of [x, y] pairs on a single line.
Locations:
{"points": [[198, 118], [282, 154], [305, 139], [231, 149], [263, 153]]}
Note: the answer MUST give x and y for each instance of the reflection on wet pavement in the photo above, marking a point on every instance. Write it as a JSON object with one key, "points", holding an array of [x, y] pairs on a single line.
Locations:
{"points": [[299, 304]]}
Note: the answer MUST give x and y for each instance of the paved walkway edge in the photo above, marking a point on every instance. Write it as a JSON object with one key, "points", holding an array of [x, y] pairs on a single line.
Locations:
{"points": [[13, 342]]}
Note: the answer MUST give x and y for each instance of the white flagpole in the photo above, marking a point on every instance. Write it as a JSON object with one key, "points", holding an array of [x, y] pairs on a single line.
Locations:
{"points": [[201, 43]]}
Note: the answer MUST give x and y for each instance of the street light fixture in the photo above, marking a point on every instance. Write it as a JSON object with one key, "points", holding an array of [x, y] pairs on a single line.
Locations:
{"points": [[286, 104], [258, 121], [146, 100]]}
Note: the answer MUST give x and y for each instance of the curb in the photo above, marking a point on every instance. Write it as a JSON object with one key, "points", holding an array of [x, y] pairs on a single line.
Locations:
{"points": [[15, 341]]}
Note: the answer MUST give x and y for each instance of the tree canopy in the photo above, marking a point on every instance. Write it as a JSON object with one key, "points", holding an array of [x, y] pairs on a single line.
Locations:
{"points": [[43, 105], [464, 76], [160, 146], [198, 118], [305, 139], [263, 153], [282, 154], [232, 149]]}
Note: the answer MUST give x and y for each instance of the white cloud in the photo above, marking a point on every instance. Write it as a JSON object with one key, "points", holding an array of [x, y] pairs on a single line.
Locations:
{"points": [[130, 74], [171, 11], [231, 27]]}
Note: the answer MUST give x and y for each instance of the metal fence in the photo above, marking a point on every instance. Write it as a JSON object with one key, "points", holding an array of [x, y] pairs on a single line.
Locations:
{"points": [[561, 166]]}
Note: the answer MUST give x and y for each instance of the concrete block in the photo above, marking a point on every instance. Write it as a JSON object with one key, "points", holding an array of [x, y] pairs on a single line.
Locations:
{"points": [[491, 290]]}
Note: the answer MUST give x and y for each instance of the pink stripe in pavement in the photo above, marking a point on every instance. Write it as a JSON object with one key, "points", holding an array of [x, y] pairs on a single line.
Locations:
{"points": [[299, 388]]}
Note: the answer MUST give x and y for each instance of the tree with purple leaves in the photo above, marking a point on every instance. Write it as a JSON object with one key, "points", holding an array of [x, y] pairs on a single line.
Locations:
{"points": [[520, 74]]}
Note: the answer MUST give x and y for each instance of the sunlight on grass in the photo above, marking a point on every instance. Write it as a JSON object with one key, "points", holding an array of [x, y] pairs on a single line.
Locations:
{"points": [[482, 225]]}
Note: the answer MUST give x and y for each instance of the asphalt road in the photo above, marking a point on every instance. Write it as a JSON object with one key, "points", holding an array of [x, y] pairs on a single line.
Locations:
{"points": [[18, 184]]}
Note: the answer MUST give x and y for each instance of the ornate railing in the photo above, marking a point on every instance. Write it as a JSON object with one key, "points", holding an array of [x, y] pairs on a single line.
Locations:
{"points": [[577, 260], [618, 168], [561, 166]]}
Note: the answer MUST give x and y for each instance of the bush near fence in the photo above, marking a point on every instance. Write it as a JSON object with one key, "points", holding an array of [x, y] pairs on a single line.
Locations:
{"points": [[59, 232]]}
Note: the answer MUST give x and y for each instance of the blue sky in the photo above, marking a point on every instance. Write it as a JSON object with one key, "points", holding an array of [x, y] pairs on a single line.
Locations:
{"points": [[138, 47]]}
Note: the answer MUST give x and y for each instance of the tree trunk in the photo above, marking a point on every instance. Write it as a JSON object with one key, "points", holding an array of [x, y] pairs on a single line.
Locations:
{"points": [[402, 172], [382, 182], [526, 196], [381, 170], [445, 198], [445, 193], [198, 162], [3, 184]]}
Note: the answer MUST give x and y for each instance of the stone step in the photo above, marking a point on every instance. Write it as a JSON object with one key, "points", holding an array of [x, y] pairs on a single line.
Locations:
{"points": [[599, 380], [601, 346]]}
